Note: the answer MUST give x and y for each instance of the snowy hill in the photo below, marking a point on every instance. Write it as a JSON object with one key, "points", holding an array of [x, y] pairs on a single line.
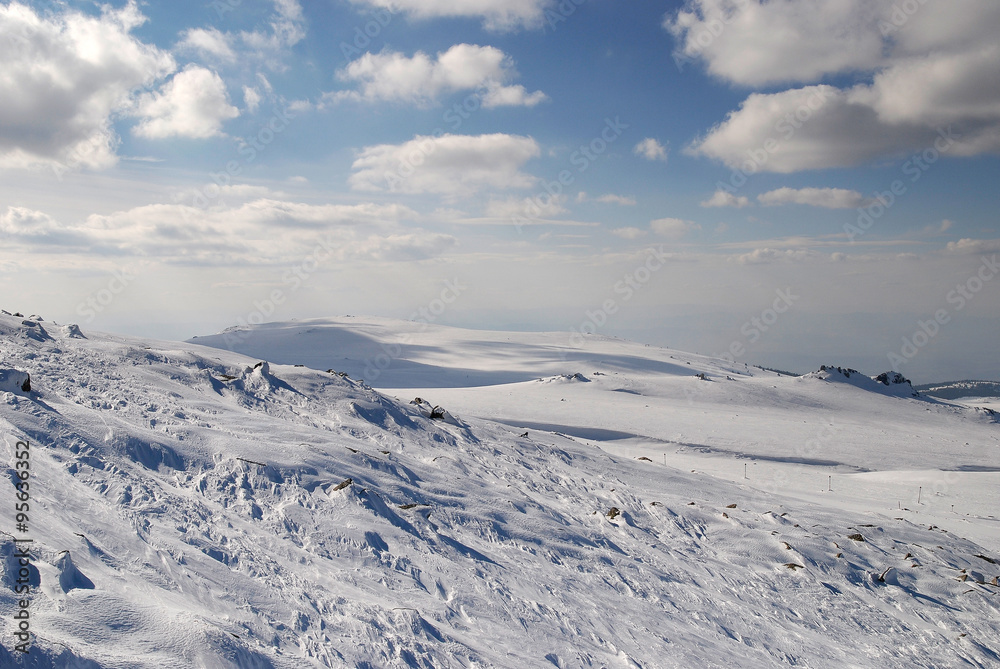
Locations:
{"points": [[962, 389], [887, 383], [194, 507]]}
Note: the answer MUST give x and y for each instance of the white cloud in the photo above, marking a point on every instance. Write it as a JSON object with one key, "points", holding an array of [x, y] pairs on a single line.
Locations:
{"points": [[622, 200], [251, 98], [930, 73], [754, 43], [673, 228], [496, 14], [208, 42], [192, 104], [721, 198], [650, 149], [226, 235], [762, 134], [829, 198], [287, 29], [19, 225], [971, 246], [451, 165], [270, 213], [64, 76], [938, 88], [628, 233], [421, 79], [511, 96]]}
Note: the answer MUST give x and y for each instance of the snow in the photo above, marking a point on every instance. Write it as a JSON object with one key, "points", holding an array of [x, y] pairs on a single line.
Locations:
{"points": [[14, 381], [194, 507]]}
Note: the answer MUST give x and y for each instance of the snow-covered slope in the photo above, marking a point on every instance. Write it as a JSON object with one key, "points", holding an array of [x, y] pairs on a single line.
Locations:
{"points": [[191, 507], [665, 397], [886, 383]]}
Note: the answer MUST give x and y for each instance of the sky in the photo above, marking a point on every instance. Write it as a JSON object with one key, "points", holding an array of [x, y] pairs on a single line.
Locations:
{"points": [[787, 183]]}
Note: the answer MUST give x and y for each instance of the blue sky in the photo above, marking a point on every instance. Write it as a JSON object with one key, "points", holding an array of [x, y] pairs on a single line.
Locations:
{"points": [[659, 171]]}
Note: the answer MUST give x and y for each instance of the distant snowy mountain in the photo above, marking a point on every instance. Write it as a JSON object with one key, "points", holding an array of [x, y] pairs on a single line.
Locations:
{"points": [[195, 507]]}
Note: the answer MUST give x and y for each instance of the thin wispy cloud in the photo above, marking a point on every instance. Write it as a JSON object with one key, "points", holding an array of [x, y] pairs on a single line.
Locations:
{"points": [[828, 198]]}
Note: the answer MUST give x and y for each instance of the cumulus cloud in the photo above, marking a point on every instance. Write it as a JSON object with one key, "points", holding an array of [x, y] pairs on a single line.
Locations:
{"points": [[927, 74], [828, 198], [755, 43], [496, 14], [721, 198], [511, 96], [192, 104], [650, 149], [64, 76], [813, 127], [673, 228], [450, 165], [422, 79]]}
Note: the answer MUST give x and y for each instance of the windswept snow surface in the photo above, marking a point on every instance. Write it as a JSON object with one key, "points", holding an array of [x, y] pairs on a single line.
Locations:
{"points": [[192, 507], [835, 437]]}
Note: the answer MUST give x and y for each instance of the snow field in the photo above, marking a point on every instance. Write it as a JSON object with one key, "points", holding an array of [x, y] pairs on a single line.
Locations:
{"points": [[229, 514]]}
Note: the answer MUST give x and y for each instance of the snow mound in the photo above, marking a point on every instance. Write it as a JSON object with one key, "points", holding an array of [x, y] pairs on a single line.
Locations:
{"points": [[886, 383], [14, 381], [72, 331], [434, 412], [71, 578]]}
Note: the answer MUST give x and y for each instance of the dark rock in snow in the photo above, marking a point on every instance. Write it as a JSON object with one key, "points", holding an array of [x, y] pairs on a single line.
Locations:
{"points": [[14, 381]]}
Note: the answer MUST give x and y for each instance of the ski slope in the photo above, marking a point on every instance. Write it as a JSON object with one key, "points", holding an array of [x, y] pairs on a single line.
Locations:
{"points": [[196, 507]]}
